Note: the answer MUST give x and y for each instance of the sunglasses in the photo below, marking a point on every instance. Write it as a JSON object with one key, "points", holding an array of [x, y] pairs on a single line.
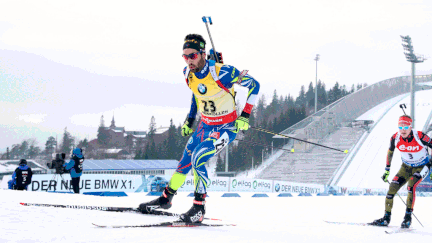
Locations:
{"points": [[404, 128], [191, 56]]}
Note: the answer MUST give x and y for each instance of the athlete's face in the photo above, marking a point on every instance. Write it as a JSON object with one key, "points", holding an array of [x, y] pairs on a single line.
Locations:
{"points": [[404, 133], [197, 64]]}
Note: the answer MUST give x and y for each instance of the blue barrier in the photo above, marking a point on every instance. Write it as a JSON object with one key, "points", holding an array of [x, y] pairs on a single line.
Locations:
{"points": [[305, 194], [61, 192], [114, 194], [381, 194], [106, 194], [354, 194], [368, 194], [230, 195], [154, 194], [192, 195], [285, 195], [93, 193], [322, 194], [337, 194], [260, 195]]}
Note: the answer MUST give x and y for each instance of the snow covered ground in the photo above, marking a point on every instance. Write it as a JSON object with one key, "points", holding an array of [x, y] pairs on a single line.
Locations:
{"points": [[272, 219]]}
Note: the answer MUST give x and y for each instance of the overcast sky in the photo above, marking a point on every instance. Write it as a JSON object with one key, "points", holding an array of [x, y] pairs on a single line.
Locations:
{"points": [[66, 63]]}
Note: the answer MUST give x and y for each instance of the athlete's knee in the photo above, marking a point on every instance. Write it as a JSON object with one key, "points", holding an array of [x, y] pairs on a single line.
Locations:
{"points": [[417, 176], [390, 196], [410, 189], [184, 168], [398, 180], [202, 153]]}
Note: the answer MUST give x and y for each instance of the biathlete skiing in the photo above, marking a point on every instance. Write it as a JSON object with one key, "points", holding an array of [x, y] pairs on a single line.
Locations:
{"points": [[212, 86], [413, 146]]}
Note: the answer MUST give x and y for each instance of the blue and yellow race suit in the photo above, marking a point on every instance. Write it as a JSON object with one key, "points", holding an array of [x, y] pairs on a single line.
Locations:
{"points": [[214, 96]]}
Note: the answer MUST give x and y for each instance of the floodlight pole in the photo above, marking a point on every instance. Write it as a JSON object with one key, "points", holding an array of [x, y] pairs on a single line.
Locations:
{"points": [[316, 81], [412, 93], [413, 58]]}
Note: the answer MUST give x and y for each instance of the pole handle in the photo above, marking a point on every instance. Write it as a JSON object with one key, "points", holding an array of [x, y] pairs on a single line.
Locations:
{"points": [[204, 18]]}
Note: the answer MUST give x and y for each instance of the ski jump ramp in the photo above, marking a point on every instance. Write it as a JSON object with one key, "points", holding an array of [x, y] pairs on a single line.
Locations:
{"points": [[367, 166]]}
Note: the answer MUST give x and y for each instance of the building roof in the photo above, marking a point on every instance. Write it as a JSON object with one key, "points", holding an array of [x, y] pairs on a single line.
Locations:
{"points": [[92, 165], [113, 151], [161, 130], [137, 134], [11, 165]]}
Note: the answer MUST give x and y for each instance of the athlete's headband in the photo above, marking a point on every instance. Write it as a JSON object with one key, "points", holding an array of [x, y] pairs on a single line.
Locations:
{"points": [[194, 44], [405, 120]]}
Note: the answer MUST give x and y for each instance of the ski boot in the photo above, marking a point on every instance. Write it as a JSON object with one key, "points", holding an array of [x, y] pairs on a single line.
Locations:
{"points": [[197, 211], [384, 221], [164, 201], [407, 219]]}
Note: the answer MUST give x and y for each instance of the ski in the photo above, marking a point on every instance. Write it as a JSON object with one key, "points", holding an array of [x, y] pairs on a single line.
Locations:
{"points": [[97, 208], [359, 224], [109, 209], [400, 230], [164, 224]]}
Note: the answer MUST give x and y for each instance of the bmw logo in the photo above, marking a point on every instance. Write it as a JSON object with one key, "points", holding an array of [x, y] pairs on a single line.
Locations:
{"points": [[202, 89], [277, 187]]}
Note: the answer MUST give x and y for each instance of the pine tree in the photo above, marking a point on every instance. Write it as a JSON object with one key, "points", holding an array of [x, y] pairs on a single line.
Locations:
{"points": [[260, 109], [310, 96], [23, 150], [67, 143], [138, 155], [301, 99], [83, 144], [170, 146], [50, 146], [102, 136], [150, 148]]}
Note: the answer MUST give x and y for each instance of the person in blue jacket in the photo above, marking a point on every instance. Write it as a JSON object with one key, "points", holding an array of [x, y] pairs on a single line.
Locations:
{"points": [[10, 184], [22, 176], [75, 168]]}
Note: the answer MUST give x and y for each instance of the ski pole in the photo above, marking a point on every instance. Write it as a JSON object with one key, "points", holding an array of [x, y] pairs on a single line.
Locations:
{"points": [[402, 106], [407, 206], [263, 145], [204, 18], [269, 132]]}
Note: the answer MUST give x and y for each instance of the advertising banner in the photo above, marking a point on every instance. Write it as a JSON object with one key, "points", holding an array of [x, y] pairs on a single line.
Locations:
{"points": [[360, 191], [216, 184], [145, 183], [250, 185], [99, 183], [294, 187]]}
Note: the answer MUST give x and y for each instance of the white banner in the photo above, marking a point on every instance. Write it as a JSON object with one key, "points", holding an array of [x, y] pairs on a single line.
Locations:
{"points": [[216, 184], [361, 191], [294, 187], [89, 183], [143, 183], [250, 185]]}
